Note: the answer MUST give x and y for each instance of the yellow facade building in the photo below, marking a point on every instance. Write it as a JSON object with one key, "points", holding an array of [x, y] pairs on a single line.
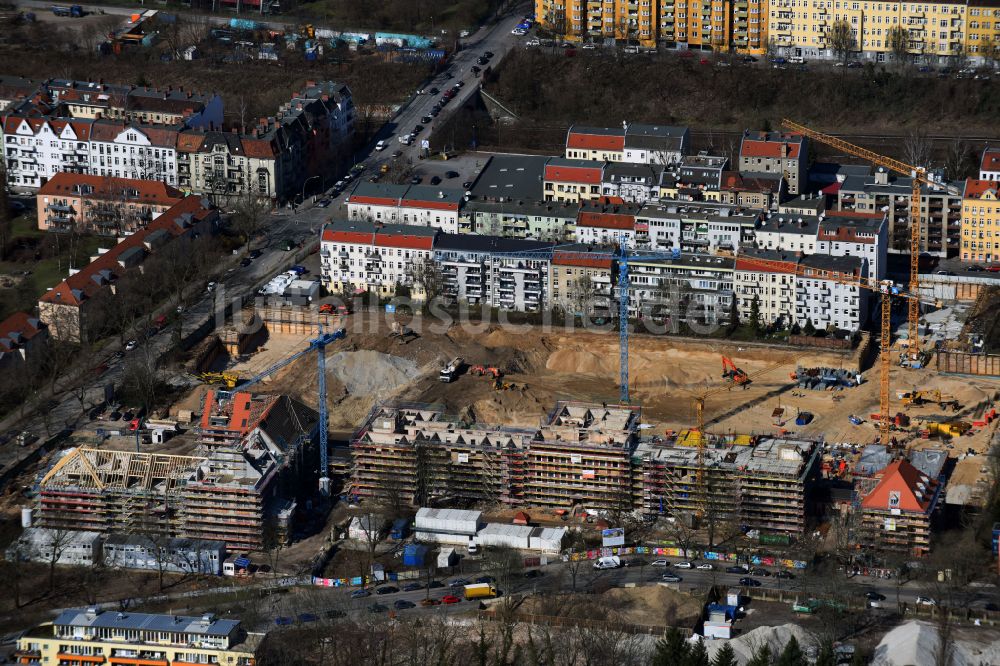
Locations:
{"points": [[981, 221], [92, 637]]}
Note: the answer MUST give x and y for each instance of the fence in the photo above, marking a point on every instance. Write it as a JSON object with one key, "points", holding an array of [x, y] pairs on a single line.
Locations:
{"points": [[826, 343], [968, 364], [561, 621]]}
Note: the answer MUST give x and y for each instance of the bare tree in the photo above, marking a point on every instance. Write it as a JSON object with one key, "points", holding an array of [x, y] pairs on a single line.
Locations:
{"points": [[898, 41], [582, 293], [251, 212], [427, 274], [841, 39], [917, 148]]}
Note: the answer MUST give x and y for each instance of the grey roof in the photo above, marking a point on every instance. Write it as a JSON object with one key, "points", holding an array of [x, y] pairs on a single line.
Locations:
{"points": [[119, 539], [897, 186], [710, 261], [770, 255], [382, 229], [828, 262], [381, 190], [705, 160], [614, 171], [206, 625], [432, 193], [579, 164], [557, 209], [477, 243], [863, 224], [806, 225], [815, 204], [598, 131], [517, 176], [929, 461], [682, 210], [828, 171], [663, 131]]}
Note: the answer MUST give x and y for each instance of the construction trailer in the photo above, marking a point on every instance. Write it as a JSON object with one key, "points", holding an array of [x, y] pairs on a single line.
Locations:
{"points": [[585, 455]]}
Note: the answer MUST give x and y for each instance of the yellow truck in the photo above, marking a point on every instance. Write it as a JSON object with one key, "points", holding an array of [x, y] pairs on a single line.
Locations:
{"points": [[480, 591]]}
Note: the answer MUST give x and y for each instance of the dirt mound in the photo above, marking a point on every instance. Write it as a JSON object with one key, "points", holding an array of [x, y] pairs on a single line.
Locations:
{"points": [[653, 605], [776, 638], [365, 372]]}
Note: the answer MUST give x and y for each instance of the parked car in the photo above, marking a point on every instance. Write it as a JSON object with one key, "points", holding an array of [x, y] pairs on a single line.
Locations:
{"points": [[532, 573], [434, 91], [451, 174], [402, 604], [323, 203], [684, 565], [975, 268], [413, 587], [589, 46], [671, 578], [360, 594], [660, 563], [749, 582], [435, 584], [926, 601], [426, 120], [705, 566], [416, 180], [429, 602], [783, 574], [388, 589], [381, 145], [467, 184], [256, 254], [872, 595], [458, 582], [450, 599], [283, 621], [760, 571], [435, 180], [484, 579], [131, 345], [396, 154], [308, 617]]}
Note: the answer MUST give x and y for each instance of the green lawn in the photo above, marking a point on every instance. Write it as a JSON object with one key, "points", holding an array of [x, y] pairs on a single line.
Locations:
{"points": [[47, 272]]}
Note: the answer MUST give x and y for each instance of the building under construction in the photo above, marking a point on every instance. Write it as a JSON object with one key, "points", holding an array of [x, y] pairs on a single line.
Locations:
{"points": [[583, 455], [254, 457]]}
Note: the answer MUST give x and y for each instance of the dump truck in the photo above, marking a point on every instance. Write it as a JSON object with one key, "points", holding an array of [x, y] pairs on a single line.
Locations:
{"points": [[480, 591], [450, 371], [74, 11]]}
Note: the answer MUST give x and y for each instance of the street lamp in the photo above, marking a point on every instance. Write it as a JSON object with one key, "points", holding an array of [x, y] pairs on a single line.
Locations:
{"points": [[304, 187]]}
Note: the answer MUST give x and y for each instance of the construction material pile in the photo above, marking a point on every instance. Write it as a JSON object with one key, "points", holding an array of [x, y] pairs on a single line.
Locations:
{"points": [[826, 379]]}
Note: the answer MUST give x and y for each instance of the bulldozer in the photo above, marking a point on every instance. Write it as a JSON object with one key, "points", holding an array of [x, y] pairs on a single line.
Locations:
{"points": [[227, 379], [481, 370], [918, 398], [500, 385]]}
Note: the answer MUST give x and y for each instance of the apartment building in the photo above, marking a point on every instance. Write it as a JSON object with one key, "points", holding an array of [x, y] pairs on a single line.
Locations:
{"points": [[633, 143], [572, 180], [96, 636], [762, 483], [74, 305], [989, 165], [102, 204], [691, 288], [519, 218], [696, 227], [633, 183], [937, 33], [417, 205], [766, 279], [358, 256], [776, 154], [142, 152], [505, 273], [896, 515], [981, 221], [140, 104], [858, 235], [581, 280], [827, 295], [627, 21], [760, 193], [940, 211], [601, 223], [14, 89], [693, 177], [37, 148], [22, 338]]}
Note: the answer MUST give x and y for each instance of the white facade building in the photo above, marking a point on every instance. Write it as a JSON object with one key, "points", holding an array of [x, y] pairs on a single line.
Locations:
{"points": [[771, 284], [131, 151], [35, 149], [401, 204], [788, 233], [824, 295], [856, 236]]}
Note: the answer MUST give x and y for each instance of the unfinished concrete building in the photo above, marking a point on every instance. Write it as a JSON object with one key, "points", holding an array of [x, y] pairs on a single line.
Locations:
{"points": [[580, 454], [256, 459]]}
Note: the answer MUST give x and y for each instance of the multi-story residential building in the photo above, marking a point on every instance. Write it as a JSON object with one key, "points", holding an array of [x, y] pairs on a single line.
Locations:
{"points": [[776, 154], [601, 223], [940, 211], [95, 636], [989, 165], [90, 99], [14, 89], [768, 285], [896, 515], [107, 205], [581, 280], [621, 20], [691, 288], [418, 205], [66, 308], [695, 227], [22, 337], [572, 180], [827, 292], [37, 148], [788, 233], [504, 273], [859, 235], [141, 152], [358, 256], [634, 143], [633, 183], [518, 218], [693, 177], [981, 221], [760, 193]]}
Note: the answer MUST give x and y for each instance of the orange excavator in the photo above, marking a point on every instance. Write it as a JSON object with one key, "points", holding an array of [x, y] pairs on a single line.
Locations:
{"points": [[734, 374], [480, 370]]}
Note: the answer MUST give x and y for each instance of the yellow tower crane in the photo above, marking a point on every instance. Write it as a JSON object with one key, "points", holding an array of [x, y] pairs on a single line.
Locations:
{"points": [[919, 178]]}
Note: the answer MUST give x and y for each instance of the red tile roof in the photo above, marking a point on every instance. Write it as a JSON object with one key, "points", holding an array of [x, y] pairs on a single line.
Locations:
{"points": [[155, 192], [582, 259], [991, 160], [426, 203], [17, 329], [606, 220], [80, 127], [98, 273], [379, 240], [372, 201], [584, 141], [763, 144], [901, 481], [975, 189], [565, 174], [746, 263]]}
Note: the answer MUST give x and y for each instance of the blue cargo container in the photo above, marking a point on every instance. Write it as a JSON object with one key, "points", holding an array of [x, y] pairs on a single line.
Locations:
{"points": [[244, 24], [414, 554], [402, 39]]}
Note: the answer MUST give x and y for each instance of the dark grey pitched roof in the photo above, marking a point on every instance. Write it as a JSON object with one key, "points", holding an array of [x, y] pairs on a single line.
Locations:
{"points": [[206, 626]]}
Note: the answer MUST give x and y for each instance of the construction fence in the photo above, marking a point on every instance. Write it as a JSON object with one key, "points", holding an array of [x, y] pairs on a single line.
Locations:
{"points": [[963, 363]]}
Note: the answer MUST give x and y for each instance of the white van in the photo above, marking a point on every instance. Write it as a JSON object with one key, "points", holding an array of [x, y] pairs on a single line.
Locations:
{"points": [[612, 562], [380, 145]]}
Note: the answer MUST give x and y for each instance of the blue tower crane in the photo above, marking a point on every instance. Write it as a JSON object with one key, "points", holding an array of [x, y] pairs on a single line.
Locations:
{"points": [[317, 344]]}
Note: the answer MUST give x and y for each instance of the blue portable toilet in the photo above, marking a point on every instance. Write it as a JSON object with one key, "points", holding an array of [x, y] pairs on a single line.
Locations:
{"points": [[414, 554]]}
